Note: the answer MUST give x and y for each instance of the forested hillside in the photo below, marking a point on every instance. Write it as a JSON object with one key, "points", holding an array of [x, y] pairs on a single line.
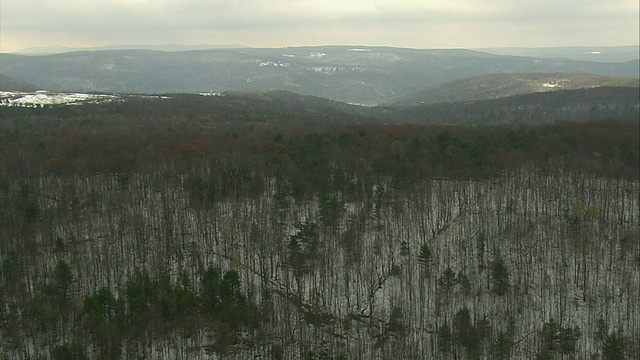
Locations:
{"points": [[134, 231], [576, 105], [9, 84], [495, 86], [364, 74]]}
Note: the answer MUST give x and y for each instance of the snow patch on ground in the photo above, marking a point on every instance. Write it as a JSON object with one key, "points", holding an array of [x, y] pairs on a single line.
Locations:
{"points": [[43, 98]]}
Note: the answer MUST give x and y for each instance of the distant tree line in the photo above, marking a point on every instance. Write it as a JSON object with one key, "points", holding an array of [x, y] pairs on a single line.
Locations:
{"points": [[302, 148]]}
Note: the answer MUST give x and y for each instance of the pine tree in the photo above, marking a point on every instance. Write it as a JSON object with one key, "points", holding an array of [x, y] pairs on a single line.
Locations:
{"points": [[502, 346], [63, 280], [499, 275], [481, 245], [613, 347], [445, 339], [426, 256]]}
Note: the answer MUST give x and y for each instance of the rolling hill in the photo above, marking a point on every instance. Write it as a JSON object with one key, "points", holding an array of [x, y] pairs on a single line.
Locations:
{"points": [[10, 84], [285, 108], [537, 108], [584, 53], [363, 75], [501, 85]]}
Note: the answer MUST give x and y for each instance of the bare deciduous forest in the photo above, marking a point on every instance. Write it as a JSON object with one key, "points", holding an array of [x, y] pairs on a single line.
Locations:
{"points": [[128, 234]]}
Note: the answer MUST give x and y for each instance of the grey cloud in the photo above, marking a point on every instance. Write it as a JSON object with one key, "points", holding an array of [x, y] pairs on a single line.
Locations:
{"points": [[305, 21]]}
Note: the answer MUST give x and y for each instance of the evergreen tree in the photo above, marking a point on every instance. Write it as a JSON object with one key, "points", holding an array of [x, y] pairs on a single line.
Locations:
{"points": [[425, 257], [447, 280], [445, 339], [613, 347], [500, 277], [502, 346], [481, 245], [63, 278], [557, 339], [395, 325], [464, 282], [68, 352]]}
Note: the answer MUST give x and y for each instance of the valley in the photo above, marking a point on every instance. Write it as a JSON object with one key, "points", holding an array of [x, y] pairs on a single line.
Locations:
{"points": [[359, 75]]}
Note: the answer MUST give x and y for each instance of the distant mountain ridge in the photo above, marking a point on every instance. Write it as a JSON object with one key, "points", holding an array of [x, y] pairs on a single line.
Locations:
{"points": [[352, 74], [598, 103], [582, 53], [58, 49], [502, 85]]}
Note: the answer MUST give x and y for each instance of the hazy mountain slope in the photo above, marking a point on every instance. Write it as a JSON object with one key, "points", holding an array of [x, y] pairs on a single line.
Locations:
{"points": [[501, 85], [367, 75], [285, 108], [583, 53], [231, 108], [544, 107], [10, 84]]}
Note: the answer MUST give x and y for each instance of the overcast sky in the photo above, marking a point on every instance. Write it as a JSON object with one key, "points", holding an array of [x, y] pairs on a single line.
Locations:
{"points": [[279, 23]]}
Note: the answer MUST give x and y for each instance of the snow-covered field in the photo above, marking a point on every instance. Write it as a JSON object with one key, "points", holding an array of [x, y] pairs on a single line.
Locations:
{"points": [[42, 98]]}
